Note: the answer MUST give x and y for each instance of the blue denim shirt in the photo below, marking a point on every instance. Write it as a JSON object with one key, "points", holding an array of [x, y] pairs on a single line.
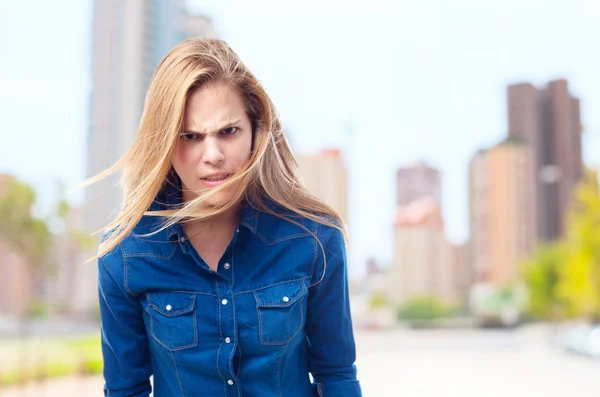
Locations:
{"points": [[271, 314]]}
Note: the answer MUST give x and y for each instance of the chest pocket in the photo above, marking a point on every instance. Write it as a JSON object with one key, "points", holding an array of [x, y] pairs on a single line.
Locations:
{"points": [[173, 319], [281, 312]]}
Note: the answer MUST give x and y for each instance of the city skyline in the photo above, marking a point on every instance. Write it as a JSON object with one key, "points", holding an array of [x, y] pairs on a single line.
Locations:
{"points": [[438, 98], [548, 120]]}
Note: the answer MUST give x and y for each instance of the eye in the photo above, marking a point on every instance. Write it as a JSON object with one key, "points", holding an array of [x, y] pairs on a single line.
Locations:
{"points": [[229, 131], [188, 137]]}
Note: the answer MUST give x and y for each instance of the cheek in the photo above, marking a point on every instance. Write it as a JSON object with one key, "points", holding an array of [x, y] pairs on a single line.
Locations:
{"points": [[243, 150], [184, 159]]}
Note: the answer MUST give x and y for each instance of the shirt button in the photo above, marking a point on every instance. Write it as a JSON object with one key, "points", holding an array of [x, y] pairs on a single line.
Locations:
{"points": [[169, 307], [182, 239], [226, 266], [286, 299], [224, 302], [228, 340], [230, 382]]}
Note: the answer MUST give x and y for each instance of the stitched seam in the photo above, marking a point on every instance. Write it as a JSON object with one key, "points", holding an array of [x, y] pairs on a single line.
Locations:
{"points": [[175, 313], [248, 226], [221, 336], [120, 290], [271, 285], [125, 271], [173, 349], [151, 255], [316, 284], [315, 254], [185, 292], [218, 370], [283, 342], [279, 360], [260, 327], [177, 374], [298, 296], [233, 343], [290, 237], [219, 306]]}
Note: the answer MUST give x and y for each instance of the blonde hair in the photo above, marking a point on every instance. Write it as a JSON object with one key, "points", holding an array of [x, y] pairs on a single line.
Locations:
{"points": [[270, 174]]}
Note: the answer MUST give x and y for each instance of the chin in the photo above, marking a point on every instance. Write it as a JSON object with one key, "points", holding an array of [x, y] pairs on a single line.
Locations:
{"points": [[220, 199]]}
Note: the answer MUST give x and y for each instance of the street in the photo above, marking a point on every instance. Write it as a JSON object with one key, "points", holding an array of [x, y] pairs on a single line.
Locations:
{"points": [[432, 363]]}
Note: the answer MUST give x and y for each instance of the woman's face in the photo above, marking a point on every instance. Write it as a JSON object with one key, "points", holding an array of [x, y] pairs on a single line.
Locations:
{"points": [[215, 143]]}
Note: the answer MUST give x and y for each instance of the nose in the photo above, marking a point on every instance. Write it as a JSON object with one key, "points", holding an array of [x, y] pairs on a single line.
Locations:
{"points": [[213, 154]]}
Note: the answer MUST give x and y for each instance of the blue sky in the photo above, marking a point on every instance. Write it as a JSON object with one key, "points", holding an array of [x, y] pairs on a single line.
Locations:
{"points": [[389, 82]]}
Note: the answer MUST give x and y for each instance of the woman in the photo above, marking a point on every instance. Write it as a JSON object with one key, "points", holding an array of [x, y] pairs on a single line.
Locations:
{"points": [[221, 275]]}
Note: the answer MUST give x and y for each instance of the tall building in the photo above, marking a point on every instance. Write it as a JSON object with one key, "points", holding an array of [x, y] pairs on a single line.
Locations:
{"points": [[501, 211], [417, 181], [129, 39], [425, 263], [548, 120], [326, 177]]}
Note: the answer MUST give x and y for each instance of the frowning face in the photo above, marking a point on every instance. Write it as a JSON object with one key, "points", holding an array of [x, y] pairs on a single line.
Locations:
{"points": [[215, 143]]}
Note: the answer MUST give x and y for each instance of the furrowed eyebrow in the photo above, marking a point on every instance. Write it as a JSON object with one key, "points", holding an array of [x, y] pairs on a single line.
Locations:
{"points": [[228, 125]]}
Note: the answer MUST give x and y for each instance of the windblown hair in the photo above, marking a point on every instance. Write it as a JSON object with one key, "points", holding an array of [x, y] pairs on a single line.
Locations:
{"points": [[270, 175]]}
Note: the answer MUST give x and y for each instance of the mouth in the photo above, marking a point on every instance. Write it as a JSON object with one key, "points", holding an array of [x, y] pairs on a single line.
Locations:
{"points": [[213, 180]]}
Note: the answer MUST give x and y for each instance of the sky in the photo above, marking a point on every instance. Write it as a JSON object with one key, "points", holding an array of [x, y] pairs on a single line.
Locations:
{"points": [[388, 82]]}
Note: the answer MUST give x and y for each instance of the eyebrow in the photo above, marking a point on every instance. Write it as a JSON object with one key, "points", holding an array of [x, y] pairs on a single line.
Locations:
{"points": [[228, 125]]}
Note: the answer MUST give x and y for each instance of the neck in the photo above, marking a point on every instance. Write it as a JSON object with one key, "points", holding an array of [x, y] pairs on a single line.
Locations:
{"points": [[225, 222]]}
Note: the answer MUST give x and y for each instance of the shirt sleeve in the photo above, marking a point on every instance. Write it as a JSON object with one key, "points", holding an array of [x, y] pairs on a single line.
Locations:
{"points": [[332, 350], [127, 367]]}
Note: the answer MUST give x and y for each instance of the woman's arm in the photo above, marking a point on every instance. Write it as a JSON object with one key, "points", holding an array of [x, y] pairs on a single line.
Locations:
{"points": [[332, 351], [127, 366]]}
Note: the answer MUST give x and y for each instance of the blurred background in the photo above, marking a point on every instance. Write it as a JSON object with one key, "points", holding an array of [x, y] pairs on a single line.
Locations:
{"points": [[459, 140]]}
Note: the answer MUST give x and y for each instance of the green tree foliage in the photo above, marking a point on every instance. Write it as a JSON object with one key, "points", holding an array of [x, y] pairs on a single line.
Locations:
{"points": [[542, 275], [563, 277], [579, 284], [422, 308], [24, 233], [31, 236]]}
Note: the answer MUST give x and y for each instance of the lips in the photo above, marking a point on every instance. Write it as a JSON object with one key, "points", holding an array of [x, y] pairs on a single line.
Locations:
{"points": [[214, 180]]}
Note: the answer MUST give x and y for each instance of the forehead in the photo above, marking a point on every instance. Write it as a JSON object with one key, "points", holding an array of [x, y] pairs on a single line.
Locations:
{"points": [[213, 105]]}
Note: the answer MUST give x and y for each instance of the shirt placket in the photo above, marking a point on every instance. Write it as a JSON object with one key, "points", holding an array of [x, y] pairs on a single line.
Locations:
{"points": [[227, 323]]}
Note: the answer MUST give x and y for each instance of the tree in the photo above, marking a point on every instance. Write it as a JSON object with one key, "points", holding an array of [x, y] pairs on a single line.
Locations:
{"points": [[563, 277], [29, 236], [579, 285], [25, 234], [542, 275]]}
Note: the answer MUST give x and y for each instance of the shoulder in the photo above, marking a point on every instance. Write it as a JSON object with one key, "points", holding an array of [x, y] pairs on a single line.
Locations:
{"points": [[143, 240], [288, 225], [111, 268]]}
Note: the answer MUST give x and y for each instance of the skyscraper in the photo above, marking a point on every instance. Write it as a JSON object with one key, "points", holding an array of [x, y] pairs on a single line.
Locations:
{"points": [[326, 177], [548, 120], [417, 181], [129, 39], [501, 211], [418, 251]]}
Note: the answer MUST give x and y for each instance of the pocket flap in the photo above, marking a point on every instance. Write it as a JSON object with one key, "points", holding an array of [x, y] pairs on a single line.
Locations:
{"points": [[280, 295], [171, 304]]}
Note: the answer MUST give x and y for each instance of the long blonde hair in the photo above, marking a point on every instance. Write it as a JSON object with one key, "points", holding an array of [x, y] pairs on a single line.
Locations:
{"points": [[271, 172]]}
